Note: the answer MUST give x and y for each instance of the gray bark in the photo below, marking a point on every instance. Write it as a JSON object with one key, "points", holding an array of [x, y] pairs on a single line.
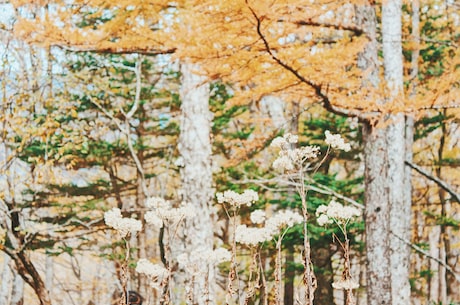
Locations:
{"points": [[400, 207], [196, 177], [387, 193], [377, 217], [7, 281], [377, 213], [17, 293]]}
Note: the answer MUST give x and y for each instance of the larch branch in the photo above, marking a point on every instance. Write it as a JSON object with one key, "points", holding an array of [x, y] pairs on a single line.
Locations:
{"points": [[115, 50], [310, 22], [316, 87]]}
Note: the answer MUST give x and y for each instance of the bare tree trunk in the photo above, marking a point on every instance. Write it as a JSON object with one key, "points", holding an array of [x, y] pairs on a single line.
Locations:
{"points": [[377, 218], [387, 211], [7, 281], [17, 293], [196, 176], [376, 197], [410, 131], [433, 284], [400, 207], [49, 273], [31, 276], [444, 242]]}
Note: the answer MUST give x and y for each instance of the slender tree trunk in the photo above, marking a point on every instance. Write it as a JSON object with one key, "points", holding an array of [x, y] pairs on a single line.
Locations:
{"points": [[31, 276], [387, 211], [17, 293], [410, 129], [376, 197], [400, 207], [7, 281], [444, 242], [377, 218], [49, 273], [196, 176]]}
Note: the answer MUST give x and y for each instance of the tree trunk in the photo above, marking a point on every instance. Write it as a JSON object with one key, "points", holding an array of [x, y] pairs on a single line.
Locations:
{"points": [[17, 293], [31, 276], [387, 211], [7, 281], [377, 217], [376, 197], [444, 242], [196, 176], [400, 207]]}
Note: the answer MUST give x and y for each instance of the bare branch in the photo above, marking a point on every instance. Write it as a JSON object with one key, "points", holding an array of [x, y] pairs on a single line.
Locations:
{"points": [[421, 251], [442, 184], [115, 50], [310, 22], [283, 180]]}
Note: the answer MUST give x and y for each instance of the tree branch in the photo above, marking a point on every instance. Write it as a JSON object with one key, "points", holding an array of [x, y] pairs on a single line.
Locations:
{"points": [[421, 251], [115, 50], [283, 180], [442, 184], [310, 22], [316, 87]]}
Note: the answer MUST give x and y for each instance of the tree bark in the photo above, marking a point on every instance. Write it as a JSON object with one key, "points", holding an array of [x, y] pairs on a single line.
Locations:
{"points": [[31, 276], [377, 217], [7, 281], [17, 293], [196, 177], [400, 207], [376, 197], [387, 211]]}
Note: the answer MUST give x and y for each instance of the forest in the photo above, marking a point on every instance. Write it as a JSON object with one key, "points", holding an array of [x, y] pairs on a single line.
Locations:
{"points": [[246, 152]]}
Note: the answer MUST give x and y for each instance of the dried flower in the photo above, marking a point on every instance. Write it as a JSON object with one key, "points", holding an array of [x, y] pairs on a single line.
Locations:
{"points": [[152, 218], [336, 141], [283, 219], [289, 158], [252, 236], [258, 216], [220, 255], [154, 271], [164, 211], [285, 141], [324, 220], [233, 198], [114, 219], [345, 284], [335, 211]]}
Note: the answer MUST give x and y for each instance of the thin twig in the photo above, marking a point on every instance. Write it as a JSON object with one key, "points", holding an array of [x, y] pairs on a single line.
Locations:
{"points": [[421, 251], [442, 184], [318, 188]]}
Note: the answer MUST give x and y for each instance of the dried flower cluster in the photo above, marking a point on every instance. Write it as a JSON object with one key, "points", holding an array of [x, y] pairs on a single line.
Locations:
{"points": [[291, 158], [162, 210], [337, 212], [155, 272], [258, 217], [114, 219], [345, 284], [248, 197], [336, 141], [213, 257], [251, 236]]}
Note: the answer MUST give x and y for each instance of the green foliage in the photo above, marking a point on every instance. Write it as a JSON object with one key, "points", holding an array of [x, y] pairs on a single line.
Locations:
{"points": [[443, 220]]}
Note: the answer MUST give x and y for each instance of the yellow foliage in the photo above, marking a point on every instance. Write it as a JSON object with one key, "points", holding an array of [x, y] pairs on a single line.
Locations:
{"points": [[306, 51]]}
